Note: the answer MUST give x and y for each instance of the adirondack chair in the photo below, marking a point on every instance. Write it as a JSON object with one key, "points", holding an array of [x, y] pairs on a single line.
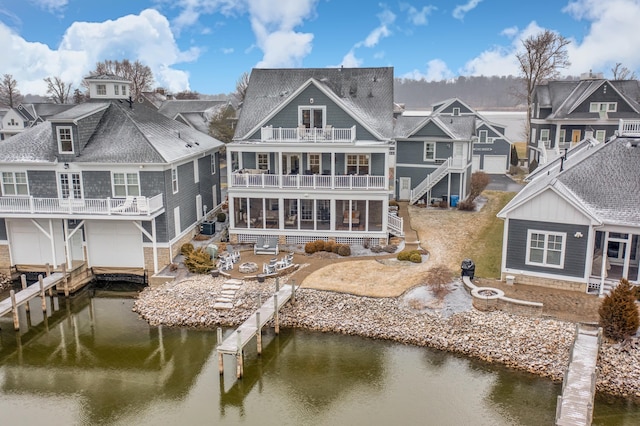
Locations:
{"points": [[125, 206], [143, 204]]}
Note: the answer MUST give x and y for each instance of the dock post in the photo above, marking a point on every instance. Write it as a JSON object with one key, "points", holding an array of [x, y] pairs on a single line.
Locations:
{"points": [[14, 311], [50, 288], [275, 314], [220, 356], [42, 296], [23, 282], [277, 284], [65, 280], [258, 333], [239, 366], [293, 292]]}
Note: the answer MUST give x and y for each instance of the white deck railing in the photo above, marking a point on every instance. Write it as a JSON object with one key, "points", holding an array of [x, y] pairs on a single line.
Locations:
{"points": [[140, 206], [264, 180], [302, 134], [629, 128]]}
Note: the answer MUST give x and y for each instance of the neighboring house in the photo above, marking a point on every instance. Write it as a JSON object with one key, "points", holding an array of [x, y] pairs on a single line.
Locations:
{"points": [[564, 110], [25, 115], [576, 225], [433, 156], [195, 113], [311, 157], [108, 184]]}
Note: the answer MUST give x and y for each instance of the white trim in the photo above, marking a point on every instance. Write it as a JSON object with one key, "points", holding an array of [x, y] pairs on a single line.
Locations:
{"points": [[196, 171], [59, 183], [213, 163], [126, 184], [174, 180], [322, 108], [258, 154], [70, 129], [424, 151], [14, 183], [545, 248]]}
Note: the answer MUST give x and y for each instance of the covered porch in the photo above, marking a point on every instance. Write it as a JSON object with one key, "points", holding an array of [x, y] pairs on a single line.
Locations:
{"points": [[615, 256]]}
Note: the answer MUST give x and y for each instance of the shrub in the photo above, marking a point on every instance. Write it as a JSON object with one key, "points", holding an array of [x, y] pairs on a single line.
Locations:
{"points": [[320, 245], [390, 248], [403, 255], [366, 243], [415, 257], [443, 204], [221, 217], [310, 247], [335, 248], [533, 165], [618, 312], [479, 181], [186, 249], [199, 261], [329, 245], [467, 205], [344, 250], [514, 156], [376, 249]]}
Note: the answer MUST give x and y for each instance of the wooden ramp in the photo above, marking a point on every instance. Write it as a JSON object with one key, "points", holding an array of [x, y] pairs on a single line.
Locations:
{"points": [[235, 343], [29, 292], [575, 405]]}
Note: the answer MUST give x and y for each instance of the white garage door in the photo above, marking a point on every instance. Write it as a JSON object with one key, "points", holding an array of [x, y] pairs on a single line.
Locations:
{"points": [[114, 244], [475, 163], [30, 246], [495, 164]]}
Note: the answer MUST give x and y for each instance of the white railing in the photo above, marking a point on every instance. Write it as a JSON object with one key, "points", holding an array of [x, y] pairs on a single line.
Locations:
{"points": [[85, 206], [430, 181], [303, 134], [395, 224], [629, 128], [264, 180]]}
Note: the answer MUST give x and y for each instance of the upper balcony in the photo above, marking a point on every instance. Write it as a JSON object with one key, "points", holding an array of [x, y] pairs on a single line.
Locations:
{"points": [[328, 134], [315, 181], [629, 128], [129, 206]]}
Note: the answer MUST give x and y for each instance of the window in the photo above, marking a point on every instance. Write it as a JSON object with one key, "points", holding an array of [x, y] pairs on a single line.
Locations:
{"points": [[456, 111], [126, 184], [603, 107], [311, 117], [70, 185], [482, 136], [600, 135], [576, 135], [314, 163], [124, 90], [101, 89], [429, 151], [563, 134], [174, 180], [545, 248], [357, 164], [14, 183], [544, 137], [213, 164], [196, 171], [116, 89], [262, 160], [65, 140]]}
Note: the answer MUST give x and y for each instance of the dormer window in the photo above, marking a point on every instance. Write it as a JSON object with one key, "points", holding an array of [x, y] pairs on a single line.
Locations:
{"points": [[456, 111], [101, 89], [124, 90], [116, 89], [65, 140]]}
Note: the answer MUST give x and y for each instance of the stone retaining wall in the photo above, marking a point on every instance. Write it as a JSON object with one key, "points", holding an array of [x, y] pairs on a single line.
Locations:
{"points": [[491, 299], [522, 279]]}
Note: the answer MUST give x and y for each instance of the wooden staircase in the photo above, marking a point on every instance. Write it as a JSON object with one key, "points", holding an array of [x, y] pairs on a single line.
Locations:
{"points": [[430, 181]]}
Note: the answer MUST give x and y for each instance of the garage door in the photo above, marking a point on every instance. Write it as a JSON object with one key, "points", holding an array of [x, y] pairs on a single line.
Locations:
{"points": [[114, 244], [30, 246], [475, 163], [495, 164]]}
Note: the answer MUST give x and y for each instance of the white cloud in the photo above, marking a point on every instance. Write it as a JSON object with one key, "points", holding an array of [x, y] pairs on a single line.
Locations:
{"points": [[227, 50], [415, 16], [350, 60], [51, 5], [386, 18], [510, 32], [436, 70], [145, 37], [462, 9]]}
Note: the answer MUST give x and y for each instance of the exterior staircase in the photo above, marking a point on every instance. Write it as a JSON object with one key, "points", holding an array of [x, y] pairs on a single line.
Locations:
{"points": [[395, 224], [430, 181]]}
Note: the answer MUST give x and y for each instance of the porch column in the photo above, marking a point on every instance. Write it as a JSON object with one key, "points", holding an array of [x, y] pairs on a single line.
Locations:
{"points": [[67, 244], [155, 246], [603, 269], [53, 244], [627, 257]]}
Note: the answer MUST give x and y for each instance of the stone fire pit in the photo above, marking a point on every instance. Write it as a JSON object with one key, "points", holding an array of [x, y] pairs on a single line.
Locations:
{"points": [[248, 268]]}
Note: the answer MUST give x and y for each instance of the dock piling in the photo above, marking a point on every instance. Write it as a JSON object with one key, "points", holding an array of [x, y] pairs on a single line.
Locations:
{"points": [[42, 297], [16, 318], [23, 282], [258, 334], [275, 314], [218, 342]]}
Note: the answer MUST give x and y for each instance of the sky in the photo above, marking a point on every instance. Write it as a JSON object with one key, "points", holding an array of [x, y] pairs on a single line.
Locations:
{"points": [[206, 45]]}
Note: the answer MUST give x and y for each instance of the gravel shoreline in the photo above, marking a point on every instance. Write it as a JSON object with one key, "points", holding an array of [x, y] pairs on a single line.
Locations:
{"points": [[539, 346]]}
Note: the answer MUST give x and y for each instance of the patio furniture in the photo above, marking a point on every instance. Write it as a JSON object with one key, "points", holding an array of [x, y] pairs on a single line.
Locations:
{"points": [[267, 245], [225, 263], [233, 254], [143, 204], [125, 207], [355, 217], [291, 220], [269, 268]]}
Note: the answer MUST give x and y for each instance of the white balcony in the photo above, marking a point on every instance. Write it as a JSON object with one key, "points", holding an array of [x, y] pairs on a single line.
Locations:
{"points": [[130, 206], [327, 134], [264, 180], [629, 128]]}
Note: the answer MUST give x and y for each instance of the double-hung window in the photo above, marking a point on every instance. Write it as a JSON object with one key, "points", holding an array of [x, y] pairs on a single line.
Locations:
{"points": [[101, 89], [174, 180], [429, 151], [126, 184], [116, 89], [483, 136], [65, 140], [546, 248], [262, 159], [600, 135], [357, 164], [314, 163], [14, 183], [213, 163]]}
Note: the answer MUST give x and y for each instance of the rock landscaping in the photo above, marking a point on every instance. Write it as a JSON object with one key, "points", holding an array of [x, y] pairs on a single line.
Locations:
{"points": [[539, 346]]}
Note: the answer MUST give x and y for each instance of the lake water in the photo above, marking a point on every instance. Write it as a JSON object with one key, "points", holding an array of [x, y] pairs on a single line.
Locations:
{"points": [[92, 361]]}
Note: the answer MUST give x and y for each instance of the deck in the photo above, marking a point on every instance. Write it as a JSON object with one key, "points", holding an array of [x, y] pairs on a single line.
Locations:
{"points": [[575, 405]]}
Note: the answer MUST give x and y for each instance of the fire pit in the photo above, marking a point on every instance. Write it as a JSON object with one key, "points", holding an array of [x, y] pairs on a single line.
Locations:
{"points": [[248, 268]]}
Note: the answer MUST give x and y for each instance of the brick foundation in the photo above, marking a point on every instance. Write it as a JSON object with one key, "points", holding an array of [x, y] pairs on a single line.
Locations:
{"points": [[521, 279], [163, 258], [5, 260]]}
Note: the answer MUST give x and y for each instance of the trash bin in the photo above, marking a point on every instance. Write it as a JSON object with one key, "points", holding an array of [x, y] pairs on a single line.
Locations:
{"points": [[454, 200], [208, 227], [468, 268], [445, 198], [212, 249]]}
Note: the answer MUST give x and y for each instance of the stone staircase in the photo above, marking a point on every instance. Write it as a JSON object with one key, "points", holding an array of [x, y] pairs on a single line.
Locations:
{"points": [[225, 300]]}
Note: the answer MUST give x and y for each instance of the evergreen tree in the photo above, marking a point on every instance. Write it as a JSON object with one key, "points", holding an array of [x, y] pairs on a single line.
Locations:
{"points": [[619, 317], [514, 156]]}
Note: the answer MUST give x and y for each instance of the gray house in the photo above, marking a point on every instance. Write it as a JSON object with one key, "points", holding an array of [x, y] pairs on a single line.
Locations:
{"points": [[563, 111], [110, 185], [589, 238]]}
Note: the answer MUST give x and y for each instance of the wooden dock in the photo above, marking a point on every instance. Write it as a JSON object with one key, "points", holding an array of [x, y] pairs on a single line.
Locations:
{"points": [[32, 291], [575, 405], [234, 344]]}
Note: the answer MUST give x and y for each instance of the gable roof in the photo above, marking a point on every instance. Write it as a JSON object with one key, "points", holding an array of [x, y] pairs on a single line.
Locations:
{"points": [[171, 108], [603, 181], [124, 135], [365, 93], [457, 127]]}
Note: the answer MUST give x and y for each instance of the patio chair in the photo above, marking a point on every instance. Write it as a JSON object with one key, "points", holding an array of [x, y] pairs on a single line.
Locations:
{"points": [[269, 268], [143, 204], [233, 254], [125, 207], [258, 245], [225, 263]]}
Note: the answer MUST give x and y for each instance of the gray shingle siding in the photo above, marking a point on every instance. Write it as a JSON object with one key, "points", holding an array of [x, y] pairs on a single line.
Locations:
{"points": [[185, 198], [96, 184], [575, 248], [207, 180], [3, 230], [431, 130], [153, 183], [409, 152], [86, 127], [42, 184]]}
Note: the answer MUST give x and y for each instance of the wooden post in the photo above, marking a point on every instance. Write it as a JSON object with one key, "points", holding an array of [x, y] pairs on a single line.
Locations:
{"points": [[293, 292], [258, 333], [275, 314], [14, 311], [65, 280], [220, 356], [239, 366], [48, 269], [42, 297], [277, 284], [23, 282]]}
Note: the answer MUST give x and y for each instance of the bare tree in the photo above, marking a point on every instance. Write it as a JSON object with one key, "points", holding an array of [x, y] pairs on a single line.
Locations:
{"points": [[9, 93], [79, 97], [221, 124], [139, 75], [544, 55], [187, 94], [241, 87], [622, 73], [58, 90]]}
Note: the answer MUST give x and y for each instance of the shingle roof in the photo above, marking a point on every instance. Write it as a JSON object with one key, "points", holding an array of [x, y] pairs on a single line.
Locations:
{"points": [[367, 93], [174, 107], [461, 127]]}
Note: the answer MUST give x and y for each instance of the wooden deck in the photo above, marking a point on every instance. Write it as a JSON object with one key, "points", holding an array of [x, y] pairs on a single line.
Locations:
{"points": [[575, 405], [234, 344]]}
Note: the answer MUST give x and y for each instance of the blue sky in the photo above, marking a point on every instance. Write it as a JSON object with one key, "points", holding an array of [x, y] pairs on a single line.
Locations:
{"points": [[205, 45]]}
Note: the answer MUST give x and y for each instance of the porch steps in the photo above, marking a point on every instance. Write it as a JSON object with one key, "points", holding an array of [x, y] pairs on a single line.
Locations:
{"points": [[430, 181], [225, 300]]}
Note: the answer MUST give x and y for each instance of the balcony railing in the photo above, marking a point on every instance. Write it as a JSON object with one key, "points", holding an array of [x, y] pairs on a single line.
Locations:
{"points": [[629, 128], [302, 134], [264, 180], [133, 206]]}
